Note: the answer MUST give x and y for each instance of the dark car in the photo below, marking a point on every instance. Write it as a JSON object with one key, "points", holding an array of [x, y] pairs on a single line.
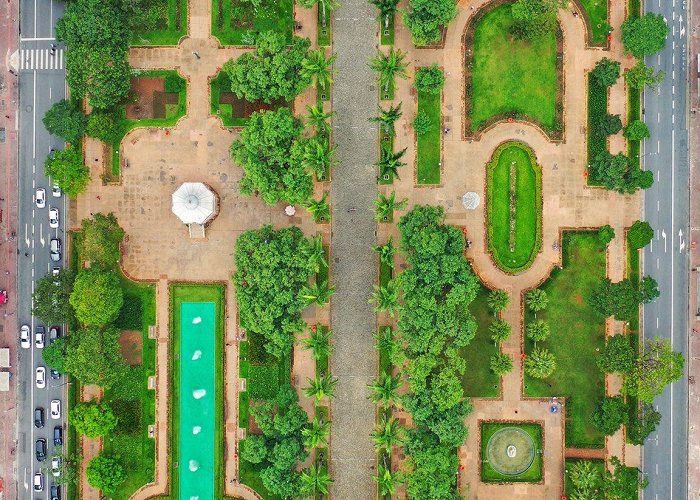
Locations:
{"points": [[58, 436], [40, 450], [54, 333], [38, 418], [55, 492], [55, 374]]}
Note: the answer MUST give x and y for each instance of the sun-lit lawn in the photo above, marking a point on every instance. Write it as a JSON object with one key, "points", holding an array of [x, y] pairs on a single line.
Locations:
{"points": [[577, 334], [235, 22], [511, 76], [429, 151], [597, 12], [171, 24]]}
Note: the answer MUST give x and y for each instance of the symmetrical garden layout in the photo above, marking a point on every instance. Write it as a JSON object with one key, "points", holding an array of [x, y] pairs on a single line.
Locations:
{"points": [[490, 153]]}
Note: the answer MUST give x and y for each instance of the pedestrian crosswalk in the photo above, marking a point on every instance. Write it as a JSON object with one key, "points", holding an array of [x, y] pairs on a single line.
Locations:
{"points": [[41, 59]]}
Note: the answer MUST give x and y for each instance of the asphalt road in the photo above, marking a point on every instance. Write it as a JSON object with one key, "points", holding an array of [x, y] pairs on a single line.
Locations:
{"points": [[42, 83], [665, 454]]}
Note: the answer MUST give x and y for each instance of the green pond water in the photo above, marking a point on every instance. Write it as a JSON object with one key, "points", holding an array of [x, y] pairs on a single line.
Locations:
{"points": [[197, 400]]}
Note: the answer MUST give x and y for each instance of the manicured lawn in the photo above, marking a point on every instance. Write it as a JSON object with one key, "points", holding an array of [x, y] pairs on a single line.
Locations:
{"points": [[429, 153], [171, 27], [224, 111], [387, 31], [173, 83], [597, 12], [478, 380], [180, 293], [568, 486], [597, 109], [324, 29], [512, 77], [234, 22], [577, 335], [514, 250], [532, 474]]}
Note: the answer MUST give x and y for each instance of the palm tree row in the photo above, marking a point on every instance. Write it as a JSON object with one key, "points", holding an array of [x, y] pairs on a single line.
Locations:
{"points": [[387, 9], [389, 66], [385, 206]]}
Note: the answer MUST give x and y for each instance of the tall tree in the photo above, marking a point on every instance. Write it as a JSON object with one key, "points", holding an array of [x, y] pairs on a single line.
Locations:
{"points": [[387, 481], [319, 156], [92, 419], [497, 300], [318, 118], [316, 435], [93, 356], [389, 66], [618, 356], [640, 234], [315, 253], [105, 473], [499, 331], [644, 36], [537, 331], [321, 387], [316, 293], [387, 434], [387, 119], [66, 120], [586, 480], [386, 252], [640, 75], [429, 79], [385, 206], [426, 18], [97, 297], [316, 480], [606, 72], [535, 18], [316, 68], [67, 169], [610, 414], [319, 209], [51, 298], [101, 236], [386, 297], [500, 363], [384, 389], [624, 482], [655, 368], [540, 363], [387, 9], [390, 162], [536, 300], [319, 342]]}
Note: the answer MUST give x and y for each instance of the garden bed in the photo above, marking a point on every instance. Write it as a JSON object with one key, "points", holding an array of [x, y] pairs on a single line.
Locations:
{"points": [[597, 110], [506, 78], [595, 14], [236, 22], [514, 207], [170, 27], [532, 440], [231, 110], [577, 336], [429, 144]]}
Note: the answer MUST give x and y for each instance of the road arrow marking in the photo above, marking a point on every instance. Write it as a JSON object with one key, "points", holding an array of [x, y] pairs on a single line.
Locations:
{"points": [[41, 235], [681, 243], [26, 234], [663, 235]]}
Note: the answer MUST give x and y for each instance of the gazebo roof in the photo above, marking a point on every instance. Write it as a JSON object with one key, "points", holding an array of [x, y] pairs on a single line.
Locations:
{"points": [[471, 200], [194, 203]]}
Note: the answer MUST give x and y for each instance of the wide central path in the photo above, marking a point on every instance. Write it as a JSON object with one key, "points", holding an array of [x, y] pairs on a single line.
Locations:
{"points": [[354, 186]]}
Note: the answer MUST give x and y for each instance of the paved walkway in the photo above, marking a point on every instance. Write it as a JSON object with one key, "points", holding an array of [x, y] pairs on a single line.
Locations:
{"points": [[354, 263]]}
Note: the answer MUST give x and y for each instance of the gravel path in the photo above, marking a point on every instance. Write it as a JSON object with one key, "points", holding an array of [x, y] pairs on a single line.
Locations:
{"points": [[354, 186]]}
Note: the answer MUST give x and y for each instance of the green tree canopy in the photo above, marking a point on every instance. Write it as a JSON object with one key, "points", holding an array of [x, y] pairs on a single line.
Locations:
{"points": [[610, 414], [97, 297], [586, 479], [618, 356], [100, 239], [499, 330], [637, 130], [271, 269], [608, 125], [606, 72], [646, 422], [67, 169], [606, 234], [426, 18], [93, 356], [622, 299], [540, 363], [537, 330], [430, 79], [273, 71], [54, 354], [104, 126], [254, 449], [536, 300], [105, 473], [624, 482], [500, 363], [655, 368], [65, 120], [51, 298], [644, 36], [433, 467], [92, 419], [618, 173], [640, 75], [534, 18], [270, 151], [640, 234], [497, 300]]}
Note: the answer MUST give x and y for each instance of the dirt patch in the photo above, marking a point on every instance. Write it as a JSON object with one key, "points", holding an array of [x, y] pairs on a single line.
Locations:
{"points": [[578, 299], [131, 345], [147, 100], [240, 108]]}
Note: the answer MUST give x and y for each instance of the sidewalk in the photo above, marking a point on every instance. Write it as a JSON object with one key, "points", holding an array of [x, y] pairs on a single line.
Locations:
{"points": [[9, 96]]}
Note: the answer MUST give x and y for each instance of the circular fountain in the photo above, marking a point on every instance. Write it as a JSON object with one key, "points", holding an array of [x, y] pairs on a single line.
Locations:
{"points": [[510, 451]]}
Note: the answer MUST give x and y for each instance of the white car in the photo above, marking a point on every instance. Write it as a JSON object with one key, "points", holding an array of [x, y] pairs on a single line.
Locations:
{"points": [[39, 337], [53, 217], [40, 197], [25, 334], [56, 190], [40, 377], [56, 466], [55, 409], [38, 481]]}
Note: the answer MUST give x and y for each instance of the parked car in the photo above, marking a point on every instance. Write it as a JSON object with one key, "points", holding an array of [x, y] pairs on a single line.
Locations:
{"points": [[55, 271], [40, 197], [55, 492], [40, 377], [55, 409], [25, 334], [53, 217], [40, 450], [38, 481], [54, 333], [56, 190], [58, 435], [55, 374], [56, 466], [38, 418], [55, 247], [40, 336]]}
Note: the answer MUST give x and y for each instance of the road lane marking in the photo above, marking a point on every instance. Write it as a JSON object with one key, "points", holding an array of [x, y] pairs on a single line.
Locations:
{"points": [[657, 263], [34, 110], [26, 234], [41, 235]]}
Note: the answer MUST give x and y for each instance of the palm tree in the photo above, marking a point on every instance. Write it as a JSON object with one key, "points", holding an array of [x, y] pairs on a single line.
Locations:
{"points": [[537, 331], [386, 480], [388, 434], [385, 205], [585, 478], [540, 363], [316, 254], [318, 293], [385, 390], [387, 119], [389, 66], [386, 252], [317, 68], [390, 162], [497, 300], [500, 331], [536, 300], [387, 8], [315, 480], [386, 298], [321, 387], [319, 209], [318, 119], [318, 156], [319, 342], [317, 434]]}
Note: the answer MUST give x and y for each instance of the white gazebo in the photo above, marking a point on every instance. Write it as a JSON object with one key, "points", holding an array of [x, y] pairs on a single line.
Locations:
{"points": [[471, 200], [195, 204]]}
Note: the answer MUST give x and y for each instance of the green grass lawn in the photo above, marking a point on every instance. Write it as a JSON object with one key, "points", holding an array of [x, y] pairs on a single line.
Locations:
{"points": [[387, 31], [568, 486], [172, 25], [634, 8], [577, 334], [512, 77], [478, 380], [429, 152], [528, 207], [173, 83], [222, 83], [324, 34], [532, 474], [597, 109], [234, 22], [597, 13], [180, 293]]}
